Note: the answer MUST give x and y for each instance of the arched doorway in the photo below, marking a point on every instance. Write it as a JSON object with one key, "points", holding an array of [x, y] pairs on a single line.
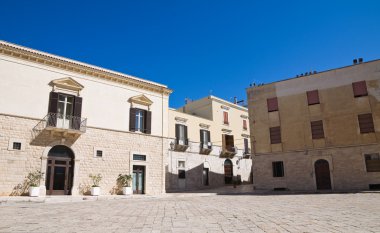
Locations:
{"points": [[59, 171], [228, 172], [322, 174]]}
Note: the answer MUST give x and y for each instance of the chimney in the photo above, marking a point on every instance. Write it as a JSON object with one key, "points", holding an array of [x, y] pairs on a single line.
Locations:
{"points": [[355, 61], [235, 100]]}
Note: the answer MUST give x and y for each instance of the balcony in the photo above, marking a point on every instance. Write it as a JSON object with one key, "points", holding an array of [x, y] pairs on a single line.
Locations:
{"points": [[66, 126], [205, 148], [228, 152], [247, 153], [180, 144]]}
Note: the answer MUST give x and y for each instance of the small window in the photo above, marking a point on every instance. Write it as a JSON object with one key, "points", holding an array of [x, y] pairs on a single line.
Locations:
{"points": [[225, 118], [278, 169], [312, 97], [372, 162], [245, 127], [181, 174], [272, 104], [16, 145], [360, 89], [99, 153], [275, 135], [366, 123], [181, 164], [317, 129], [139, 157]]}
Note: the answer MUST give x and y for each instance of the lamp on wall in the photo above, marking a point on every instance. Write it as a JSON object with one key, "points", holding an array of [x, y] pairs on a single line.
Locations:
{"points": [[172, 145]]}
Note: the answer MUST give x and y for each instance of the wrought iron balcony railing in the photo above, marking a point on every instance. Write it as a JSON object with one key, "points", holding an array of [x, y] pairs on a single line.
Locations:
{"points": [[56, 121]]}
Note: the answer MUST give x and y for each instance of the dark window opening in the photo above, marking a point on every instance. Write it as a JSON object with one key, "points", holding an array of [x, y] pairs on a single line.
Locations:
{"points": [[17, 146], [374, 187], [139, 157], [278, 169], [372, 162], [99, 153], [181, 174]]}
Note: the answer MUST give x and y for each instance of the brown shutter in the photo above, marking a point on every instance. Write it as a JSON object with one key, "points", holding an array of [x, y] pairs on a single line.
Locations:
{"points": [[148, 122], [272, 104], [245, 145], [312, 97], [317, 131], [53, 102], [208, 136], [77, 112], [177, 132], [224, 141], [201, 136], [360, 88], [244, 124], [132, 119], [275, 135], [366, 123], [225, 118], [186, 139]]}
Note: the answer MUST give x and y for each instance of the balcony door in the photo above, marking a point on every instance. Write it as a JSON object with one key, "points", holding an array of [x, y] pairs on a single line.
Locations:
{"points": [[228, 171], [65, 111], [138, 179]]}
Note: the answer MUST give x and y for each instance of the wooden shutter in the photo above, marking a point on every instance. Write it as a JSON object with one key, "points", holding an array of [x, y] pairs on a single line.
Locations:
{"points": [[201, 136], [317, 131], [225, 118], [208, 136], [245, 145], [177, 132], [229, 142], [360, 88], [224, 146], [53, 102], [272, 104], [312, 97], [77, 112], [185, 132], [366, 123], [132, 119], [275, 135], [244, 124], [148, 122]]}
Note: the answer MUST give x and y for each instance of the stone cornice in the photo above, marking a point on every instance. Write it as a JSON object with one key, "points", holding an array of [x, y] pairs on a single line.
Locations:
{"points": [[47, 59]]}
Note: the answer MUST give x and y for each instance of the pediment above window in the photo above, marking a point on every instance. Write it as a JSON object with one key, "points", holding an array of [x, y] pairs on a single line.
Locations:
{"points": [[66, 84], [141, 99]]}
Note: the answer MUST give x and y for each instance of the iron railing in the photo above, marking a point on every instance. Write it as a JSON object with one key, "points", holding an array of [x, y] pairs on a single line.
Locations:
{"points": [[60, 121]]}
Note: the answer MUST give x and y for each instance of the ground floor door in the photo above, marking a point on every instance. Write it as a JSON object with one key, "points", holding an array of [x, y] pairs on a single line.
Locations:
{"points": [[138, 179], [228, 172], [322, 175], [205, 176], [59, 174]]}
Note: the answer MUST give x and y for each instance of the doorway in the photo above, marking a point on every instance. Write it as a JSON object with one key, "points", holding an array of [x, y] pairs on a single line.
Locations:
{"points": [[138, 179], [59, 171], [205, 176], [322, 175], [228, 172]]}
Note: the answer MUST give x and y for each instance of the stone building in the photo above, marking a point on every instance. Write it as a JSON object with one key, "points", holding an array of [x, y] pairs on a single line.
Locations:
{"points": [[209, 141], [69, 119], [319, 131]]}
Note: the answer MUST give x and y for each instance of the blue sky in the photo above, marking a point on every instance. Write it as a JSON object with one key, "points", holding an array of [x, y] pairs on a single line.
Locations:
{"points": [[199, 47]]}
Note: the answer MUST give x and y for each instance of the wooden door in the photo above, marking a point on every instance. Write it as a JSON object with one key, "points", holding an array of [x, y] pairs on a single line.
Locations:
{"points": [[138, 179], [228, 172], [59, 176], [322, 175]]}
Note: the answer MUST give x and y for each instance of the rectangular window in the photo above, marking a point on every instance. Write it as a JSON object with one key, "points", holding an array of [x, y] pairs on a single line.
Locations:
{"points": [[278, 169], [16, 145], [246, 146], [366, 123], [317, 129], [205, 138], [225, 118], [245, 125], [181, 134], [181, 174], [139, 157], [275, 135], [312, 97], [182, 164], [99, 153], [228, 142], [360, 89], [272, 104], [372, 162], [139, 122]]}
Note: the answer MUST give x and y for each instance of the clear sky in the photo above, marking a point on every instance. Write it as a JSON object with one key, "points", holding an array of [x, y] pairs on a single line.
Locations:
{"points": [[199, 47]]}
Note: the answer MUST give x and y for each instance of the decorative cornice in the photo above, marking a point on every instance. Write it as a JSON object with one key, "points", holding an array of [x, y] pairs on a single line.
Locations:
{"points": [[141, 99], [245, 135], [181, 119], [244, 116], [67, 83], [224, 107], [204, 126], [62, 63], [226, 130]]}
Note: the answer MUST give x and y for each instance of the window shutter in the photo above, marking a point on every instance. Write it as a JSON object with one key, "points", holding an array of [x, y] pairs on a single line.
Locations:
{"points": [[366, 123], [224, 141], [208, 136], [312, 97], [360, 88], [245, 145], [185, 132], [225, 118], [201, 136], [77, 112], [272, 104], [132, 119], [53, 102], [275, 135], [317, 131], [148, 122]]}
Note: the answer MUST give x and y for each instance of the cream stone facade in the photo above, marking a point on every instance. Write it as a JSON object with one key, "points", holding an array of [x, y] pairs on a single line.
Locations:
{"points": [[102, 122], [199, 157], [318, 132]]}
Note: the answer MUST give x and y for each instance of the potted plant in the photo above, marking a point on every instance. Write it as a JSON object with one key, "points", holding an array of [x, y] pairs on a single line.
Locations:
{"points": [[125, 182], [95, 189], [33, 181]]}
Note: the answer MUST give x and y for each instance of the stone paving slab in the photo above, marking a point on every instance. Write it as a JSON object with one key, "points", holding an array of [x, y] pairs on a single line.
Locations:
{"points": [[213, 213]]}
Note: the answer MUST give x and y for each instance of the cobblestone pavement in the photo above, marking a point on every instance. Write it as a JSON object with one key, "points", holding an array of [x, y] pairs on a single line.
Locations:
{"points": [[212, 213]]}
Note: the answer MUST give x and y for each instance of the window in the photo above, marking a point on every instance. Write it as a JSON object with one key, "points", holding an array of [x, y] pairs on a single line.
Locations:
{"points": [[181, 134], [99, 153], [139, 157], [278, 169], [312, 97], [246, 148], [360, 89], [225, 118], [205, 138], [317, 129], [181, 174], [64, 111], [366, 123], [16, 145], [140, 120], [245, 125], [272, 104], [275, 135], [228, 142], [182, 164], [372, 162]]}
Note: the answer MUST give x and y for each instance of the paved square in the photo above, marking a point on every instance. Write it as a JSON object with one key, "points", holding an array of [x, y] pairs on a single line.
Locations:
{"points": [[212, 213]]}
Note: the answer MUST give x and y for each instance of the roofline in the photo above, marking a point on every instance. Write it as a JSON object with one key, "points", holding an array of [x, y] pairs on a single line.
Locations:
{"points": [[325, 71], [44, 55], [227, 103]]}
